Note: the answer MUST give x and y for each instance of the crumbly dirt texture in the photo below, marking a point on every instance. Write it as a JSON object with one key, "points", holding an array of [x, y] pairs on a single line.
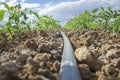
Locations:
{"points": [[37, 55]]}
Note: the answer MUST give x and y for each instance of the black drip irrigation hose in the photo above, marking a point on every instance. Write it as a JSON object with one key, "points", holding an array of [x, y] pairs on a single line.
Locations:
{"points": [[68, 69]]}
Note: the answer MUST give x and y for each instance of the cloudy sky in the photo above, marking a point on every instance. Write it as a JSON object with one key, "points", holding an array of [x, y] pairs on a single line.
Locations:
{"points": [[62, 10]]}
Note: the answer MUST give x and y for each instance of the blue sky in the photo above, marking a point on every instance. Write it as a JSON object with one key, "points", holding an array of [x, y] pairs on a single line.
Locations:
{"points": [[62, 10], [42, 2]]}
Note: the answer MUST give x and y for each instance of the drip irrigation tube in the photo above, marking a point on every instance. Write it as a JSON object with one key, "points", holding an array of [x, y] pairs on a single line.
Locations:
{"points": [[68, 69]]}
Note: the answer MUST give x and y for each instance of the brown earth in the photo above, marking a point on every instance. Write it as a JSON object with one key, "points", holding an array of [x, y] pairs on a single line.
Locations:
{"points": [[37, 55]]}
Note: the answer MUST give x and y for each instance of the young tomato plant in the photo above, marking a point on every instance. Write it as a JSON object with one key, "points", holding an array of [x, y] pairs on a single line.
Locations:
{"points": [[108, 19], [17, 20], [47, 22]]}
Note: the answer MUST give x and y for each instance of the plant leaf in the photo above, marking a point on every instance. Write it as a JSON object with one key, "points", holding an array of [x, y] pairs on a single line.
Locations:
{"points": [[116, 28], [36, 14], [6, 5], [94, 10], [102, 8], [1, 14], [110, 9]]}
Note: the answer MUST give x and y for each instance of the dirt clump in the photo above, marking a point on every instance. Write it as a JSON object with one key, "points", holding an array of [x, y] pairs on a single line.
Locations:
{"points": [[84, 56]]}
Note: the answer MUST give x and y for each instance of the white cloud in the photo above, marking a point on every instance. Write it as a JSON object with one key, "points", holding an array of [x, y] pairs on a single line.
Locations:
{"points": [[2, 0], [27, 5], [23, 3], [66, 10], [12, 2], [48, 4]]}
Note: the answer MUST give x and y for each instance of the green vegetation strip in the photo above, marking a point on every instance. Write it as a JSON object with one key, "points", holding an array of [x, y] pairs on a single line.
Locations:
{"points": [[19, 21], [108, 19]]}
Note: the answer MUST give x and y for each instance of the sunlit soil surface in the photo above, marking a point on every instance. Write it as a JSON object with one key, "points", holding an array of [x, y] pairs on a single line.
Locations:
{"points": [[37, 55]]}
